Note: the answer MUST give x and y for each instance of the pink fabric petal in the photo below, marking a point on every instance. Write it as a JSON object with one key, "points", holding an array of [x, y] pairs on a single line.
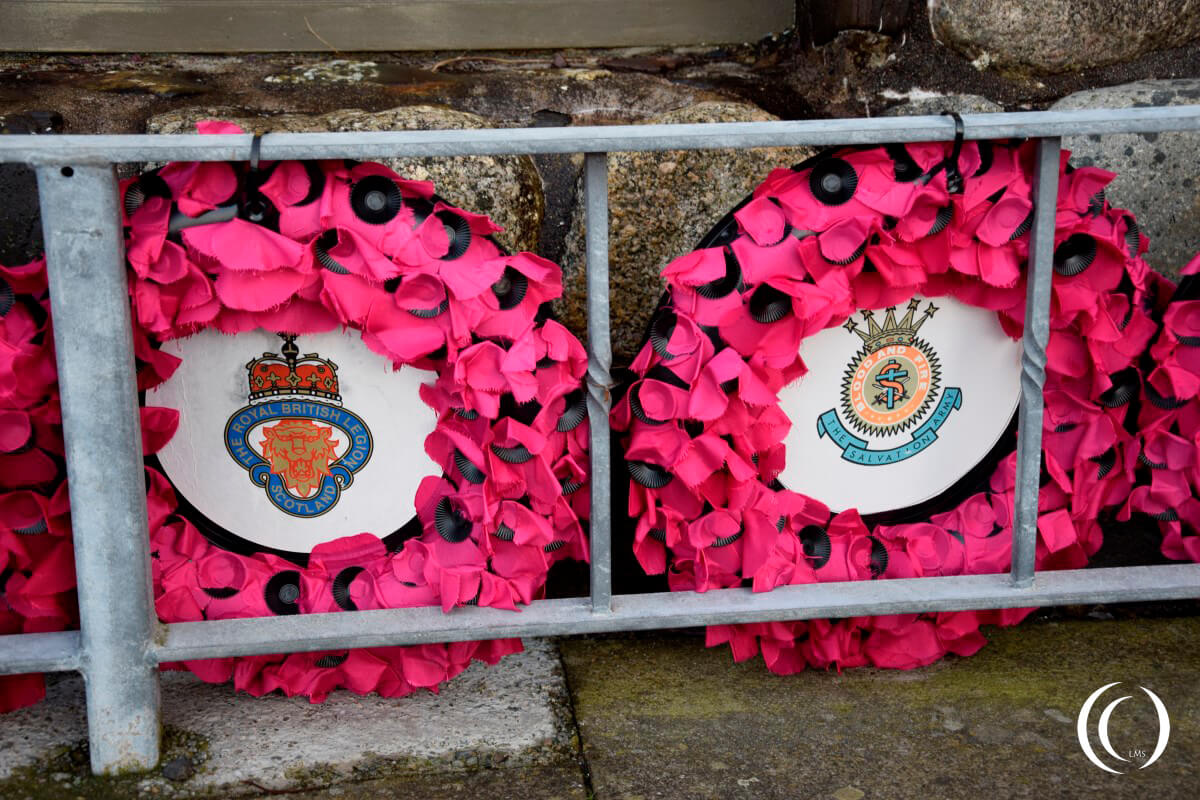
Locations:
{"points": [[1003, 219], [243, 246], [763, 220], [258, 291], [840, 241], [199, 186], [213, 126]]}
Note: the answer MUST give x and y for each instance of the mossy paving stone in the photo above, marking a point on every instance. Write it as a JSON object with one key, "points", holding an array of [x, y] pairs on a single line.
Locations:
{"points": [[661, 716], [531, 783], [564, 782], [65, 774]]}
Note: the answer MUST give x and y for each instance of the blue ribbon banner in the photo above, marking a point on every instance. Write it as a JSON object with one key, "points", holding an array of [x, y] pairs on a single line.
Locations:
{"points": [[341, 471], [856, 450]]}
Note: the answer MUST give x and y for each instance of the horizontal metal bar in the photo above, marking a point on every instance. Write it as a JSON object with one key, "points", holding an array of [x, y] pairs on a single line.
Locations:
{"points": [[40, 652], [59, 652], [118, 148], [338, 631]]}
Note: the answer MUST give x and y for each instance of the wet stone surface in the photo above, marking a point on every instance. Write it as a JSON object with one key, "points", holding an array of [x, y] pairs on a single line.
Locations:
{"points": [[166, 83], [535, 783], [660, 716]]}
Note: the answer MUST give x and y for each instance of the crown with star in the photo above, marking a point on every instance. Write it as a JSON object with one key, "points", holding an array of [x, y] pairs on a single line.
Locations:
{"points": [[891, 331], [288, 375]]}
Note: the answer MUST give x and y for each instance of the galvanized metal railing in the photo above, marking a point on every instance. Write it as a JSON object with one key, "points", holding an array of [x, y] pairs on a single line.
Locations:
{"points": [[120, 643]]}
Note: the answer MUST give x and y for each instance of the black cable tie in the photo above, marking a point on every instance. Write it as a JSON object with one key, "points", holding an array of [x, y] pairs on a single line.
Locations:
{"points": [[954, 178], [252, 205], [255, 150]]}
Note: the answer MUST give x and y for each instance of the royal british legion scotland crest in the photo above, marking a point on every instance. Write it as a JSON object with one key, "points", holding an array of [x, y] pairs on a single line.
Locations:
{"points": [[891, 385], [294, 437]]}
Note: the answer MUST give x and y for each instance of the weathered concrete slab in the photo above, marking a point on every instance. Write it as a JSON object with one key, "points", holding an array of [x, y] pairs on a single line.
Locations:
{"points": [[663, 717], [508, 716]]}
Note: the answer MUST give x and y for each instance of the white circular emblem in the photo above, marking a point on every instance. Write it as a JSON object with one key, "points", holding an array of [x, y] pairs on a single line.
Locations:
{"points": [[290, 441], [899, 404]]}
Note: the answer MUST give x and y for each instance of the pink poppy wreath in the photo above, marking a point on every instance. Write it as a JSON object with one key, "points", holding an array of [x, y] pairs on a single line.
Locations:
{"points": [[310, 247], [872, 229]]}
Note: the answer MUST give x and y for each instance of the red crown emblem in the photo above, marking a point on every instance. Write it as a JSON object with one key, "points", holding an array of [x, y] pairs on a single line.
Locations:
{"points": [[290, 376]]}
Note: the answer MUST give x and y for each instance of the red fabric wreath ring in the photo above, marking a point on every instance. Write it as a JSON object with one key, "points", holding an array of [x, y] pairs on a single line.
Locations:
{"points": [[890, 243], [313, 249]]}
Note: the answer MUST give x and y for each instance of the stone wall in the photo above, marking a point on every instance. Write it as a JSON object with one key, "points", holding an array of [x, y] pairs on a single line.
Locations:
{"points": [[965, 55]]}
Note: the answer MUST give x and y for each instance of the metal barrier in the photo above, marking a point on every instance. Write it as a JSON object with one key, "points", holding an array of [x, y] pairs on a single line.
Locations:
{"points": [[120, 643]]}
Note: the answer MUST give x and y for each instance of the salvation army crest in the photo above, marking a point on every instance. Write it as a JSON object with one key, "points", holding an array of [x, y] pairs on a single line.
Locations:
{"points": [[892, 384], [294, 437]]}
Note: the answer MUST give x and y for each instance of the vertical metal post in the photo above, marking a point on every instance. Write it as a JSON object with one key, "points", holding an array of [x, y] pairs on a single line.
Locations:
{"points": [[1033, 361], [595, 189], [94, 346]]}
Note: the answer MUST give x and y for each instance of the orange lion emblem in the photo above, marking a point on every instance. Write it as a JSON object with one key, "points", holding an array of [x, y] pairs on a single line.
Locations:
{"points": [[300, 452]]}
